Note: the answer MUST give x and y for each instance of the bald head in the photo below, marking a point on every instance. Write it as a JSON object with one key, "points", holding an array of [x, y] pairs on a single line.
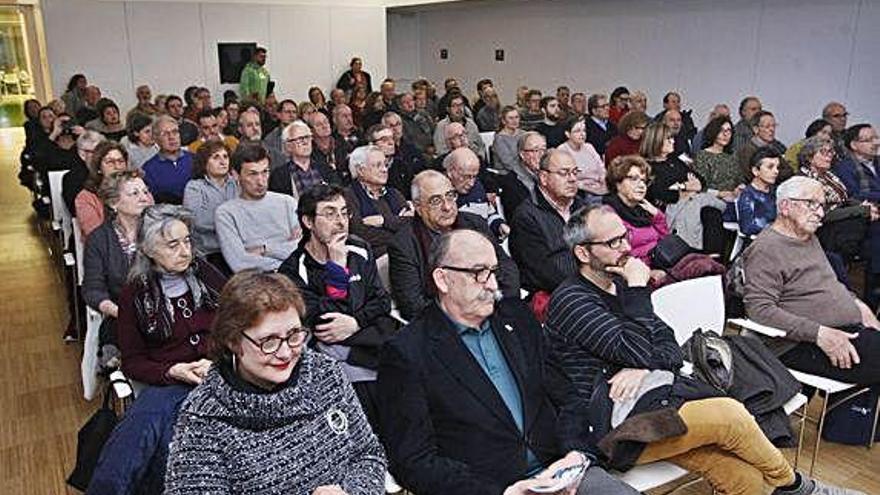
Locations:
{"points": [[434, 199], [462, 167], [455, 135]]}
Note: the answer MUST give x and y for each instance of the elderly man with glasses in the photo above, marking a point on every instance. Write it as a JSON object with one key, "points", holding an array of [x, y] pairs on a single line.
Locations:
{"points": [[536, 230], [300, 172], [346, 305], [436, 212], [790, 285]]}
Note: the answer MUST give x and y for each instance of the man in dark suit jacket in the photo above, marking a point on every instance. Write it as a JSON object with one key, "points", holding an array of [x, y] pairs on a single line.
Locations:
{"points": [[600, 129], [465, 402], [301, 171], [436, 212]]}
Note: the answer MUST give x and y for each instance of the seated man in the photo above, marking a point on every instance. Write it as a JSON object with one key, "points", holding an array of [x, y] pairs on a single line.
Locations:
{"points": [[536, 242], [406, 160], [465, 401], [517, 187], [346, 305], [456, 114], [603, 332], [436, 212], [259, 229], [250, 128], [790, 285], [209, 129], [377, 211], [272, 141], [462, 167], [167, 173], [327, 151], [300, 172]]}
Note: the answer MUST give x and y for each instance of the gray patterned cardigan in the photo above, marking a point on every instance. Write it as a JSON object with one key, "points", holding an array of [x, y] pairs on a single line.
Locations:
{"points": [[309, 434]]}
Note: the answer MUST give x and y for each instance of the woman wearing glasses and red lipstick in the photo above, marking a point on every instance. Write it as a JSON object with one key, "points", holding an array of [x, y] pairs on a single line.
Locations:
{"points": [[271, 416]]}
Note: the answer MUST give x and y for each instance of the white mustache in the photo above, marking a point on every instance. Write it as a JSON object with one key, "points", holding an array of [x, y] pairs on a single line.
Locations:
{"points": [[491, 295]]}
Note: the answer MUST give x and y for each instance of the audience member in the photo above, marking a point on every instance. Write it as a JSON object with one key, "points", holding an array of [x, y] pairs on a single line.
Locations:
{"points": [[682, 144], [109, 252], [436, 212], [605, 336], [210, 130], [211, 185], [249, 126], [698, 142], [563, 96], [456, 115], [328, 151], [254, 81], [504, 146], [591, 168], [300, 172], [672, 101], [74, 97], [620, 100], [317, 98], [165, 315], [715, 164], [462, 167], [790, 285], [517, 185], [355, 76], [743, 130], [88, 111], [287, 113], [144, 106], [628, 139], [553, 125], [107, 122], [346, 304], [139, 141], [447, 368], [487, 116], [756, 205], [74, 180], [819, 127], [578, 109], [835, 114], [344, 130], [536, 229], [377, 211], [232, 113], [405, 160], [109, 158], [639, 102], [532, 116], [260, 228], [418, 126], [668, 173], [168, 172], [764, 134], [189, 132], [274, 403]]}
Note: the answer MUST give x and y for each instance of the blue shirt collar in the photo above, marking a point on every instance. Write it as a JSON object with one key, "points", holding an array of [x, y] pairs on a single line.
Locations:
{"points": [[461, 328]]}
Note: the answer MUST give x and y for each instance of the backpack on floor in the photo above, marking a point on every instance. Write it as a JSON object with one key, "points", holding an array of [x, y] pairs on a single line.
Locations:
{"points": [[852, 421]]}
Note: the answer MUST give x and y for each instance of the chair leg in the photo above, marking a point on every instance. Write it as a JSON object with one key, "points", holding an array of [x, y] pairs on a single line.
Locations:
{"points": [[800, 442], [819, 431], [874, 426]]}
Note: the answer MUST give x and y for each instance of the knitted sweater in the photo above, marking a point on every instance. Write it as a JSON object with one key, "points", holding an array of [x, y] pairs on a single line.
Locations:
{"points": [[308, 434], [270, 222]]}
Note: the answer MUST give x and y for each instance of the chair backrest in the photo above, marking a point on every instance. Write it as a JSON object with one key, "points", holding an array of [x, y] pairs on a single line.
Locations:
{"points": [[79, 249], [382, 268], [488, 138], [691, 304], [59, 209]]}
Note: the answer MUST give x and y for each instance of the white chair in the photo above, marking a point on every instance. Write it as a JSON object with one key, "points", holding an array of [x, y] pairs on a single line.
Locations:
{"points": [[382, 266], [824, 386], [488, 138], [61, 218]]}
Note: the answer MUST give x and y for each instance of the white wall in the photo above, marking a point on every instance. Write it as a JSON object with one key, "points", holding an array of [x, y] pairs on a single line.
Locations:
{"points": [[795, 54], [171, 45]]}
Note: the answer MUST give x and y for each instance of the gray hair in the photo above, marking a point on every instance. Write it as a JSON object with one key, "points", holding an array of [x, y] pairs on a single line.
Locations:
{"points": [[441, 246], [575, 232], [521, 144], [154, 224], [416, 188], [87, 138], [163, 119], [360, 157], [794, 188], [287, 131], [389, 115], [811, 146]]}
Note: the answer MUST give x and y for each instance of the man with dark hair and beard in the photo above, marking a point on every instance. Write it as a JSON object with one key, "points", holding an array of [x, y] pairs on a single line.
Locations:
{"points": [[552, 127]]}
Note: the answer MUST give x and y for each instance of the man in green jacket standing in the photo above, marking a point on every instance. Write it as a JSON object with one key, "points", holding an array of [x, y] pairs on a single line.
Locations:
{"points": [[254, 80]]}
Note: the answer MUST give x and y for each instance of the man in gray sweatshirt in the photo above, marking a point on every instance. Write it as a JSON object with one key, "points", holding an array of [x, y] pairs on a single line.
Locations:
{"points": [[259, 229]]}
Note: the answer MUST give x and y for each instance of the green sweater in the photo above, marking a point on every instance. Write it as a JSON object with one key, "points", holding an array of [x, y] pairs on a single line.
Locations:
{"points": [[254, 79]]}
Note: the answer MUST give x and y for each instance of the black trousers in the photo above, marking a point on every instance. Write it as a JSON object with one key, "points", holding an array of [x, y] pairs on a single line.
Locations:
{"points": [[714, 235], [809, 358]]}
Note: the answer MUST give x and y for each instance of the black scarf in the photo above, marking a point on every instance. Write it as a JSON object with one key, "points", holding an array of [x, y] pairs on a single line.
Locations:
{"points": [[635, 216], [155, 316]]}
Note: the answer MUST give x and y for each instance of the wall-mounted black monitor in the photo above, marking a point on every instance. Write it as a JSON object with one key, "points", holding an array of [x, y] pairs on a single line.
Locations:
{"points": [[233, 57]]}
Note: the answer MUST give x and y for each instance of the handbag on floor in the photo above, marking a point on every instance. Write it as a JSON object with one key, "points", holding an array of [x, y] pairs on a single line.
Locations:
{"points": [[91, 439], [852, 421]]}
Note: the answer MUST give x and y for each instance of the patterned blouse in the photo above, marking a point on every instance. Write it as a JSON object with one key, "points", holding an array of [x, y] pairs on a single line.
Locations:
{"points": [[835, 190], [719, 171]]}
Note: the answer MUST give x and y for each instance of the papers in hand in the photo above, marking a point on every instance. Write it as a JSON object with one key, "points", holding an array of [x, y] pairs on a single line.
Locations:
{"points": [[563, 478]]}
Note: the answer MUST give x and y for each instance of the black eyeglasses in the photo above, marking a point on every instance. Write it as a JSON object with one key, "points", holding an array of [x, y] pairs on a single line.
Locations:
{"points": [[437, 200], [270, 345], [613, 243], [481, 274]]}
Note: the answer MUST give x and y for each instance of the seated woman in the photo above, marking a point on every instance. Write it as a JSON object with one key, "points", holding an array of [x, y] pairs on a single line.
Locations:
{"points": [[211, 185], [110, 251], [629, 137], [818, 127], [165, 314], [109, 157], [108, 122], [272, 415], [715, 162], [668, 173], [591, 168], [686, 216], [756, 206], [505, 155], [645, 224], [377, 211], [139, 141]]}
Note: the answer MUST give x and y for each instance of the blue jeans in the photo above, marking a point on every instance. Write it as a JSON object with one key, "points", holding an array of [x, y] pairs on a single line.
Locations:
{"points": [[133, 459]]}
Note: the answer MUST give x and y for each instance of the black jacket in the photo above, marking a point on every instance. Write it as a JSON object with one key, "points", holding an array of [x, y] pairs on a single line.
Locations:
{"points": [[599, 137], [367, 300], [346, 81], [537, 246], [408, 258], [72, 183], [280, 180], [407, 162], [447, 428]]}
